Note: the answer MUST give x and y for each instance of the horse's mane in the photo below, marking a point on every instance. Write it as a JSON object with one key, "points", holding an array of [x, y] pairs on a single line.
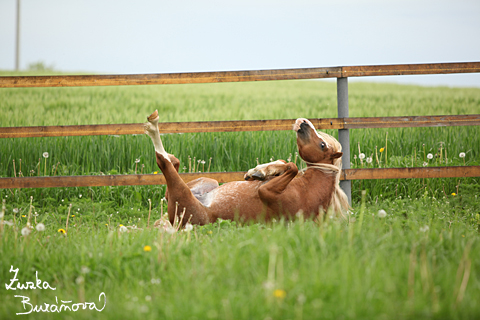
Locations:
{"points": [[339, 201]]}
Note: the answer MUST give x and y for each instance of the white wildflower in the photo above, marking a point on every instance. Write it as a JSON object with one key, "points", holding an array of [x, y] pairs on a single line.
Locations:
{"points": [[85, 269], [137, 160], [369, 160], [429, 156], [425, 164], [45, 155], [40, 227], [188, 227], [169, 229], [462, 155], [25, 231], [123, 229], [80, 195], [362, 156], [424, 229], [381, 213], [15, 210]]}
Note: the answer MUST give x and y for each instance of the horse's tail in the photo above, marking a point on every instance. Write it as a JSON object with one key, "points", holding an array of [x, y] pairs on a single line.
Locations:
{"points": [[339, 202]]}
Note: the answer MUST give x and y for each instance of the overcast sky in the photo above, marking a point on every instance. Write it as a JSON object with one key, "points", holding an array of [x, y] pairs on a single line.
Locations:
{"points": [[156, 36]]}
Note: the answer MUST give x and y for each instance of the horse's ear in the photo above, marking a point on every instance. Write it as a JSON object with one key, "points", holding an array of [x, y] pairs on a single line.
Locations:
{"points": [[337, 155]]}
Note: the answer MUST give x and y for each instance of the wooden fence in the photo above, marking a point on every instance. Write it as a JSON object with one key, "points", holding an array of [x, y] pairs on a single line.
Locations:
{"points": [[343, 123]]}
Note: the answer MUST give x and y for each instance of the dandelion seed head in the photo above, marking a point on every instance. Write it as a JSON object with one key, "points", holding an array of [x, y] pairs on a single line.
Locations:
{"points": [[40, 227], [362, 156], [425, 164], [381, 213], [25, 231], [45, 155], [137, 160], [429, 156], [15, 210], [424, 229], [462, 155]]}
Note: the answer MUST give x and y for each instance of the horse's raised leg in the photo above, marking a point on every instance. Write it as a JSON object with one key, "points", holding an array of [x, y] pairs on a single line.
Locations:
{"points": [[262, 171], [271, 193], [180, 198]]}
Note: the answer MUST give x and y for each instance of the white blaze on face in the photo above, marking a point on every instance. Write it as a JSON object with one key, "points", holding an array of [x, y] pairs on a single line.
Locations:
{"points": [[299, 121]]}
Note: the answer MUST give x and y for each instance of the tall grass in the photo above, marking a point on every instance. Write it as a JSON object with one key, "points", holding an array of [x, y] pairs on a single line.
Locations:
{"points": [[406, 147], [410, 264]]}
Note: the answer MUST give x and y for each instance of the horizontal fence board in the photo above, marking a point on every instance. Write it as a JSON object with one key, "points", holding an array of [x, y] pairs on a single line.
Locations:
{"points": [[405, 173], [410, 69], [168, 78], [237, 126], [222, 177], [412, 121], [236, 76]]}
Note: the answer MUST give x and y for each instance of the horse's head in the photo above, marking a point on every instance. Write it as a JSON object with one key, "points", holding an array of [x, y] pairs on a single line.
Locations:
{"points": [[316, 147]]}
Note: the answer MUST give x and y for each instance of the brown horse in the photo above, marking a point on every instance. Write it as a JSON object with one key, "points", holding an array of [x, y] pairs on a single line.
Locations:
{"points": [[271, 190]]}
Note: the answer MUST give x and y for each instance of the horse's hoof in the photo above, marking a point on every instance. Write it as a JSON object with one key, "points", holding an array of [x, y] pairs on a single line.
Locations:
{"points": [[258, 175], [154, 116]]}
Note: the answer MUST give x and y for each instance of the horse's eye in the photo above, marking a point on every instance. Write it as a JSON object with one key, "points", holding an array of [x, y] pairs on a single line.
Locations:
{"points": [[322, 145]]}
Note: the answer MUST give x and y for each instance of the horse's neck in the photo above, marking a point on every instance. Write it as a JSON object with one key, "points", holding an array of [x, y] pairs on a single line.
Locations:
{"points": [[317, 177]]}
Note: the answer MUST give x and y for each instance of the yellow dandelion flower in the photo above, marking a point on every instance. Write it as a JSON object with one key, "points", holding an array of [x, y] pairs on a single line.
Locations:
{"points": [[382, 149], [279, 293], [62, 231], [24, 216], [156, 172], [73, 215], [147, 248], [454, 194], [209, 232], [121, 225]]}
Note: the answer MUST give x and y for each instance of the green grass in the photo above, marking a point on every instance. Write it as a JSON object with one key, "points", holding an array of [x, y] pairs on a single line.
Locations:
{"points": [[381, 268], [366, 268]]}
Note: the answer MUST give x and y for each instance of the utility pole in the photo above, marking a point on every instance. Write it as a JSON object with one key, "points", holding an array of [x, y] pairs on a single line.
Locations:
{"points": [[17, 47]]}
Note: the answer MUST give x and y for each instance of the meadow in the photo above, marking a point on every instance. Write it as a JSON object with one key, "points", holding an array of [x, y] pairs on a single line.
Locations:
{"points": [[419, 260]]}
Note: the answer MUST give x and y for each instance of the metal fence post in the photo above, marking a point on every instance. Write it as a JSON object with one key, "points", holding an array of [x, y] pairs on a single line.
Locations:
{"points": [[344, 134]]}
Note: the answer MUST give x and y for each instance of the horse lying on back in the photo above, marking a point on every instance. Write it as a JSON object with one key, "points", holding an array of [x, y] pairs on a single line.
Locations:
{"points": [[271, 190]]}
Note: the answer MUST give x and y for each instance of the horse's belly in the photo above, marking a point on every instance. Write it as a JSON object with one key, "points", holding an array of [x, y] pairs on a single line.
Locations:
{"points": [[236, 200]]}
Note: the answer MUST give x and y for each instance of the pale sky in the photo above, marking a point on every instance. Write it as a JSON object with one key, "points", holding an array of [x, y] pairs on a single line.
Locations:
{"points": [[156, 36]]}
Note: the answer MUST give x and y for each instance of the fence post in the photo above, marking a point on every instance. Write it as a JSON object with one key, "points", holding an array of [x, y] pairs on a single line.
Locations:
{"points": [[344, 134]]}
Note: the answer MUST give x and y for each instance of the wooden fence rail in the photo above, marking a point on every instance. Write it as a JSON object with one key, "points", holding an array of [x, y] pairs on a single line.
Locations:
{"points": [[237, 126], [237, 76], [222, 177]]}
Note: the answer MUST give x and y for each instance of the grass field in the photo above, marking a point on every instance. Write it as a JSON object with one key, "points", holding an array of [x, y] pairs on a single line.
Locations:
{"points": [[420, 261]]}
